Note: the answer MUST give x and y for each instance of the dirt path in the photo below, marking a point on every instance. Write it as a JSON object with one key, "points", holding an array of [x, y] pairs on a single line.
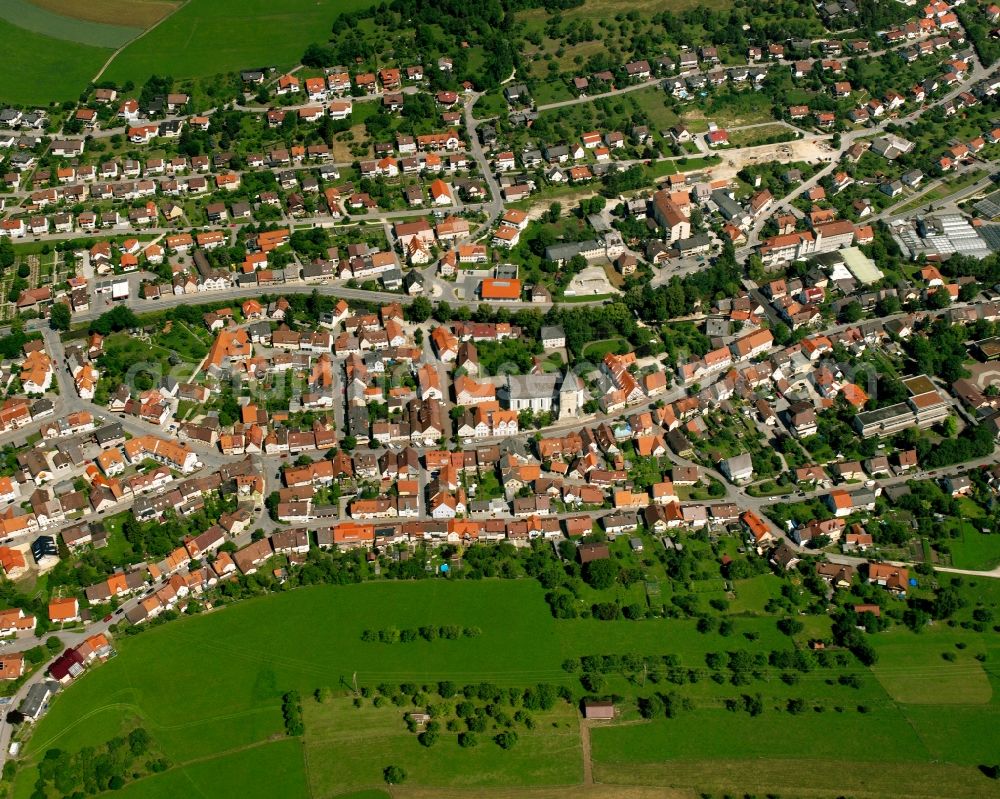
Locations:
{"points": [[148, 30], [550, 792], [588, 764]]}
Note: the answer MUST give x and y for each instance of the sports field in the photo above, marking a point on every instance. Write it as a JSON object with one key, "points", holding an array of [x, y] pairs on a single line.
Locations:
{"points": [[208, 37], [208, 689]]}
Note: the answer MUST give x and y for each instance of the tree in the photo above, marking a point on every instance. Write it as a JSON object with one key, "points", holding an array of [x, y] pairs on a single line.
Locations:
{"points": [[593, 681], [600, 574], [138, 741], [59, 316], [947, 602], [851, 312], [651, 707], [121, 318], [506, 739], [393, 775], [318, 55], [6, 253], [427, 738], [949, 427], [419, 310]]}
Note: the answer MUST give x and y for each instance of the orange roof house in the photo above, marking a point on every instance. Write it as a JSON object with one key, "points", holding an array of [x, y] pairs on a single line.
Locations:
{"points": [[270, 239], [440, 192], [64, 610], [854, 394], [500, 289], [12, 561], [233, 344], [756, 527], [11, 665]]}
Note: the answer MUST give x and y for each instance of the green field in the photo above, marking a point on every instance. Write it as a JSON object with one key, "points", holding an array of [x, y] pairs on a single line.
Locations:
{"points": [[974, 550], [549, 754], [209, 37], [596, 350], [33, 18], [912, 670], [40, 69], [256, 772], [208, 690]]}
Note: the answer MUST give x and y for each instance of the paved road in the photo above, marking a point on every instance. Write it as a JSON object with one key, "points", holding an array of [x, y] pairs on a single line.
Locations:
{"points": [[494, 207], [976, 73], [585, 98]]}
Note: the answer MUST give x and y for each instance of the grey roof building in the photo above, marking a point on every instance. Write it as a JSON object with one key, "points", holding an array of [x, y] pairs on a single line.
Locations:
{"points": [[37, 699]]}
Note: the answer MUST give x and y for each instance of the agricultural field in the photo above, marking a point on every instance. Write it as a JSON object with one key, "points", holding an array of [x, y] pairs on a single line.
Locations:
{"points": [[895, 735], [67, 25], [130, 13], [40, 69], [548, 754], [208, 690], [201, 40]]}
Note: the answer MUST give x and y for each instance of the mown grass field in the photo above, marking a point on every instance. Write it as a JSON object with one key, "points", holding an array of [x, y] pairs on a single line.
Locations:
{"points": [[258, 772], [208, 37], [974, 549], [550, 754], [208, 690], [40, 69], [912, 668]]}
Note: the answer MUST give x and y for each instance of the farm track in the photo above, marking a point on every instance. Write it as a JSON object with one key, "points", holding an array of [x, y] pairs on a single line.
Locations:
{"points": [[148, 30]]}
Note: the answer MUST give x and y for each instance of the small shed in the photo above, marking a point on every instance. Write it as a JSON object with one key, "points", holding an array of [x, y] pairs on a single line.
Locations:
{"points": [[598, 710]]}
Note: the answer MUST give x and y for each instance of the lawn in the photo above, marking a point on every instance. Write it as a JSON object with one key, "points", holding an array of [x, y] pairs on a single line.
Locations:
{"points": [[974, 549], [40, 69], [200, 40], [753, 593], [128, 358], [941, 191], [182, 340], [596, 350]]}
